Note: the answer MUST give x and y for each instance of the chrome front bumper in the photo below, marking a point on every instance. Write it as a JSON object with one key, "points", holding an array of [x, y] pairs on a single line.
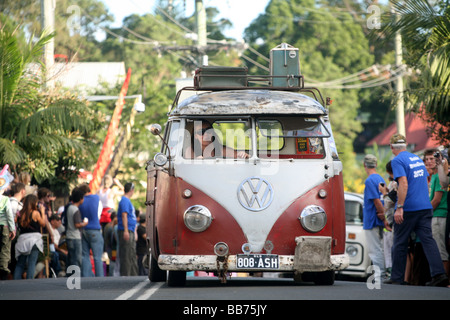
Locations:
{"points": [[312, 254]]}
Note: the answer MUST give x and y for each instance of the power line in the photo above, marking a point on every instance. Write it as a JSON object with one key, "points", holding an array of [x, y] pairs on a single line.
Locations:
{"points": [[173, 20], [254, 62], [139, 35], [374, 70], [118, 36], [333, 84], [257, 53], [378, 81], [341, 83]]}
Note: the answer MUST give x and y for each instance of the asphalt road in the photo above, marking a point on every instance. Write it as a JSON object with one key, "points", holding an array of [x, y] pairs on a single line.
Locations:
{"points": [[239, 298], [209, 288]]}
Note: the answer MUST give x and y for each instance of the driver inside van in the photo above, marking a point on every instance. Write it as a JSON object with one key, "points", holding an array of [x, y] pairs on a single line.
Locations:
{"points": [[205, 144]]}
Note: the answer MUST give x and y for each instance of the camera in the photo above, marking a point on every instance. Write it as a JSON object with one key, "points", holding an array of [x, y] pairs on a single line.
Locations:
{"points": [[437, 154]]}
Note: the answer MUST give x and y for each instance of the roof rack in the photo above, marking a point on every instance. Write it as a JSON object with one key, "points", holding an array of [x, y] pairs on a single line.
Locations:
{"points": [[315, 92], [284, 75], [216, 78]]}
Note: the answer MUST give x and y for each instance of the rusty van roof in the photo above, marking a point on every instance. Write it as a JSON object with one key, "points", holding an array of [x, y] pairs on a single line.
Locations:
{"points": [[248, 101]]}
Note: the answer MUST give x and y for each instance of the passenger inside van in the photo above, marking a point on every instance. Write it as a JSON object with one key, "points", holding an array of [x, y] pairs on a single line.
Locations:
{"points": [[204, 144]]}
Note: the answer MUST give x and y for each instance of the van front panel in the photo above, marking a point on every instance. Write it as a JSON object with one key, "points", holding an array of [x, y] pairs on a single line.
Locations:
{"points": [[217, 187]]}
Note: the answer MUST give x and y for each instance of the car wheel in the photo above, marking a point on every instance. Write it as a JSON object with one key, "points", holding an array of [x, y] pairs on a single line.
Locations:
{"points": [[155, 274]]}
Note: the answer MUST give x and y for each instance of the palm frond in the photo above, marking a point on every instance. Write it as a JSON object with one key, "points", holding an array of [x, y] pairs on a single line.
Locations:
{"points": [[440, 35], [425, 30], [11, 67], [10, 152], [435, 92], [414, 19], [61, 116], [34, 49]]}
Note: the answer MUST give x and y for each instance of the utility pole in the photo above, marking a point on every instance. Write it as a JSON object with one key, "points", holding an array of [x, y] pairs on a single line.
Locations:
{"points": [[400, 110], [48, 25], [201, 47], [200, 14]]}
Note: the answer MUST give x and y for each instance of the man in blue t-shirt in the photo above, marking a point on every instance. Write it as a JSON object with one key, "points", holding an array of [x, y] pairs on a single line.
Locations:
{"points": [[126, 218], [373, 213], [413, 213], [91, 236]]}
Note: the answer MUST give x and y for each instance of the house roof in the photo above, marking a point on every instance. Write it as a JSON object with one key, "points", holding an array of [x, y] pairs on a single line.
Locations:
{"points": [[417, 134]]}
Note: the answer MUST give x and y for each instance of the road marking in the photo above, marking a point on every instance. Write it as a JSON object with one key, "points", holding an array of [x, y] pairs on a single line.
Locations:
{"points": [[149, 292], [129, 293]]}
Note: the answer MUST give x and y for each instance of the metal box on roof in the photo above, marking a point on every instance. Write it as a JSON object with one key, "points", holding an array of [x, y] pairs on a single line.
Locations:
{"points": [[285, 66]]}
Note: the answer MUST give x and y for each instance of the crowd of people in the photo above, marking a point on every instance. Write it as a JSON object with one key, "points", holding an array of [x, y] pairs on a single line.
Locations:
{"points": [[92, 232], [406, 222]]}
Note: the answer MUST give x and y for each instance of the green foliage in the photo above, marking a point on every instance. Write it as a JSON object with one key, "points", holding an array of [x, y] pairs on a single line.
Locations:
{"points": [[425, 30], [39, 129]]}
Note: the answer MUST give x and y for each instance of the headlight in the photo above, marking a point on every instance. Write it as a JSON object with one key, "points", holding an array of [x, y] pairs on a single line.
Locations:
{"points": [[313, 218], [197, 218], [352, 251]]}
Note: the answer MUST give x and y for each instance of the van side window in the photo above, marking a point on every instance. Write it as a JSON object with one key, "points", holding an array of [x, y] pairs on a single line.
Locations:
{"points": [[166, 137], [172, 136]]}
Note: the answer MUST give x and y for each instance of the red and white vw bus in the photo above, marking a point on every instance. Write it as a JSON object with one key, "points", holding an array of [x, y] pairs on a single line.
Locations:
{"points": [[248, 180]]}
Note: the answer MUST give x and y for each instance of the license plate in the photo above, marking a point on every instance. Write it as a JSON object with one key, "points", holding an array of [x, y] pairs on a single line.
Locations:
{"points": [[257, 261]]}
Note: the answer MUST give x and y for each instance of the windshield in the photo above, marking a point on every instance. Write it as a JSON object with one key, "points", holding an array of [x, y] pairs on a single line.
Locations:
{"points": [[306, 127], [294, 137], [221, 138]]}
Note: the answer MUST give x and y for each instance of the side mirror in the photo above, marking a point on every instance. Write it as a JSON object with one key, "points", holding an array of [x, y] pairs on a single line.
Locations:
{"points": [[155, 129]]}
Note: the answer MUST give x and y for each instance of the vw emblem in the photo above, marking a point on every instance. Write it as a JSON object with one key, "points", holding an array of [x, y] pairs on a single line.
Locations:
{"points": [[255, 194]]}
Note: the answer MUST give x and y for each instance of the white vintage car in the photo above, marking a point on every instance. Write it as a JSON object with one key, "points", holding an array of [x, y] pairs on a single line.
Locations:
{"points": [[355, 243]]}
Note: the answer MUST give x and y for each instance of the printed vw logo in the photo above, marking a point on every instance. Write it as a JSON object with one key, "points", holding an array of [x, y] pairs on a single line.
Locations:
{"points": [[255, 194]]}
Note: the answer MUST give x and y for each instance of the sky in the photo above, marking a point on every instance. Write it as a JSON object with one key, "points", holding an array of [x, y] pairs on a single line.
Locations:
{"points": [[240, 12]]}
